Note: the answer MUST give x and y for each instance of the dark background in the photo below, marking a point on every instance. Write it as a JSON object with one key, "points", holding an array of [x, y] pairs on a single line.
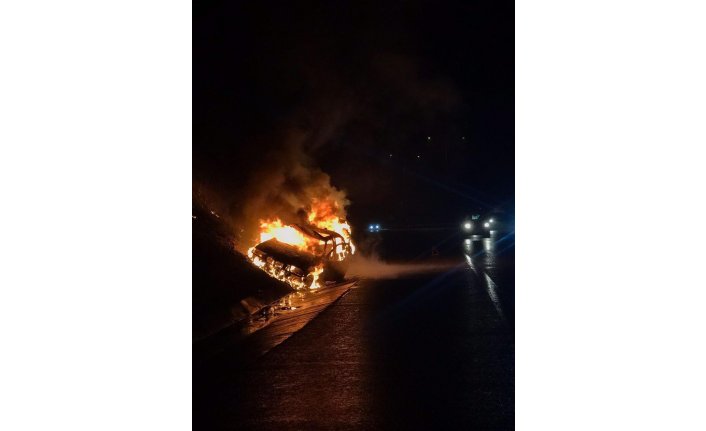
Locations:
{"points": [[367, 83]]}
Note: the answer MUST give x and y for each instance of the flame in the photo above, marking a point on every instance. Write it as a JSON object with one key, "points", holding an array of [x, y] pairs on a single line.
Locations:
{"points": [[280, 271], [316, 272], [323, 215], [286, 234]]}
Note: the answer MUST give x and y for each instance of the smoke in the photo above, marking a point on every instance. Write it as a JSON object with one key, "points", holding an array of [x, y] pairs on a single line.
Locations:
{"points": [[282, 178], [285, 183], [305, 93], [287, 187], [372, 267]]}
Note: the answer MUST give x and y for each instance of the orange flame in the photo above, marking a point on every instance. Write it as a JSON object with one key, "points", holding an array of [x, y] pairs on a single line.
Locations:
{"points": [[316, 273], [324, 215], [287, 234]]}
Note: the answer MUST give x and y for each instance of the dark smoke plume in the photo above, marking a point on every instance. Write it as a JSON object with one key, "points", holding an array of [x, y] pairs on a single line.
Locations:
{"points": [[270, 107], [285, 188]]}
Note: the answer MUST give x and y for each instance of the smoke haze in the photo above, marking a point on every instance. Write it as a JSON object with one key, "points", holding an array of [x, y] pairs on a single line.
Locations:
{"points": [[373, 268], [312, 105]]}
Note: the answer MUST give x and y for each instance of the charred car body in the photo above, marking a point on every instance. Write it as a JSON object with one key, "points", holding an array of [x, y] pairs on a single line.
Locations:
{"points": [[313, 267]]}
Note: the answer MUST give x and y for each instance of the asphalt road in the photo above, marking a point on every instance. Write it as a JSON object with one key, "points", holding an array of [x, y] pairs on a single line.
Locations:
{"points": [[433, 351]]}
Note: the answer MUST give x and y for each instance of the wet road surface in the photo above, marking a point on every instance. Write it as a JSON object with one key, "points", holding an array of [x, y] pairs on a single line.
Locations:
{"points": [[433, 351]]}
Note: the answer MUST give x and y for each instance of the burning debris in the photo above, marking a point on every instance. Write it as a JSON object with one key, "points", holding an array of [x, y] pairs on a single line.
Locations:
{"points": [[305, 256]]}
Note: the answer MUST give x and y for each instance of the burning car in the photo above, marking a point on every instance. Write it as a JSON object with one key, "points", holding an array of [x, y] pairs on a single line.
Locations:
{"points": [[304, 256]]}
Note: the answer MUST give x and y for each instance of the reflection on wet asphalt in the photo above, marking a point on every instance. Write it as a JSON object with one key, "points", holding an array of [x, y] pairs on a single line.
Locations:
{"points": [[246, 341], [494, 261], [423, 352]]}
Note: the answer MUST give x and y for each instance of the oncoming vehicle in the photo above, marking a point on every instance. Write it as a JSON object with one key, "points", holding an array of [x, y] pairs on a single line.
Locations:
{"points": [[477, 227]]}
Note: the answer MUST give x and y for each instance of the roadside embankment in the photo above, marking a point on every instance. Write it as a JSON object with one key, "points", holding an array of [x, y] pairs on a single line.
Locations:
{"points": [[226, 287]]}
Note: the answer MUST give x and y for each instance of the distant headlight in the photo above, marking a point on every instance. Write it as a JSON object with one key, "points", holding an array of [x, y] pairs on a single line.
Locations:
{"points": [[467, 226], [487, 225]]}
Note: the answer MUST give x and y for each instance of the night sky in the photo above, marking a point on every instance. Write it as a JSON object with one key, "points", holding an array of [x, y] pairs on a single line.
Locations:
{"points": [[407, 105]]}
